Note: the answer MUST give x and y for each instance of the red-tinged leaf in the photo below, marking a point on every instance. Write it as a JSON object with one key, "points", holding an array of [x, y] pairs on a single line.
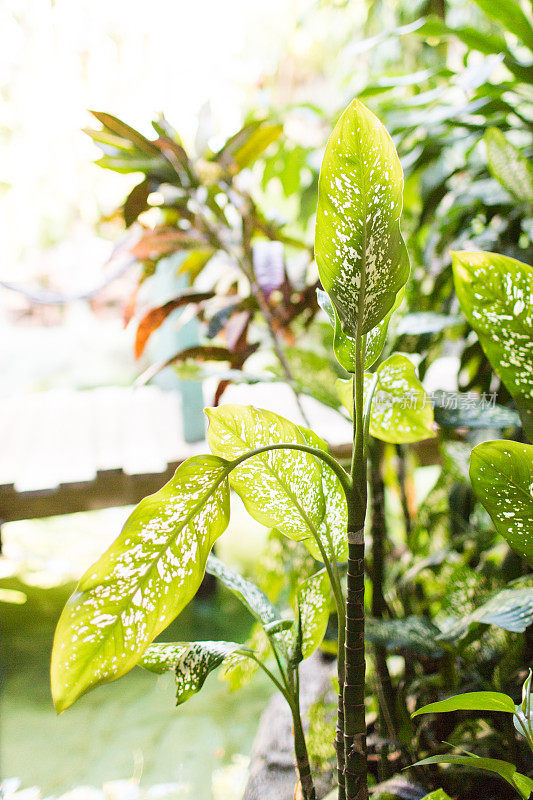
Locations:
{"points": [[130, 306], [136, 202], [236, 330], [221, 388], [165, 241], [125, 131], [154, 318]]}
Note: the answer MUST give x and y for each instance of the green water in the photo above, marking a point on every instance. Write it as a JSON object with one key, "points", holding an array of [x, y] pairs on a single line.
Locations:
{"points": [[131, 721]]}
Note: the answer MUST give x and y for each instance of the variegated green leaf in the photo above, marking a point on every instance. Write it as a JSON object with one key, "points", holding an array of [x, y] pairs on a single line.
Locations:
{"points": [[280, 488], [438, 794], [496, 295], [191, 662], [142, 582], [401, 412], [313, 608], [409, 635], [509, 166], [238, 669], [361, 257], [501, 473], [248, 593]]}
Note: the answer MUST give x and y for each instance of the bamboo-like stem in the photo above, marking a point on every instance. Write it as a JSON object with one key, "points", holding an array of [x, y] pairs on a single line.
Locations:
{"points": [[355, 769], [379, 534]]}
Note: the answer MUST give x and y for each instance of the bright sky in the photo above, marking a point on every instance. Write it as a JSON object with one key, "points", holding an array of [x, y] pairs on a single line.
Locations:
{"points": [[132, 58]]}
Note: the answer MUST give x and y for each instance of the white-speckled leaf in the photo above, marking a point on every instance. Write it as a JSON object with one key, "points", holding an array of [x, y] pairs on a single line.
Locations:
{"points": [[280, 488], [334, 525], [314, 605], [496, 295], [361, 257], [401, 412], [191, 662], [344, 346], [509, 166], [510, 609], [502, 478], [238, 669], [142, 582]]}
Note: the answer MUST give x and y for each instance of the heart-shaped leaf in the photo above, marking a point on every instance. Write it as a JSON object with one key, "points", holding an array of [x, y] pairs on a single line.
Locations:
{"points": [[142, 582], [361, 256], [191, 661], [502, 478], [495, 294], [401, 412], [470, 701]]}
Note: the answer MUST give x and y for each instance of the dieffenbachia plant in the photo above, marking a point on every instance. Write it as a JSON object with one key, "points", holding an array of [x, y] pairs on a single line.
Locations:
{"points": [[286, 478], [490, 701]]}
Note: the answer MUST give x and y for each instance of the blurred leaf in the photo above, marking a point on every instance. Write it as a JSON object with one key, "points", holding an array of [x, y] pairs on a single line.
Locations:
{"points": [[258, 141], [412, 635], [164, 241], [136, 201], [142, 582], [154, 318], [124, 131], [361, 257], [313, 374], [460, 410], [190, 661], [470, 701], [195, 261], [502, 479], [511, 17], [509, 166], [495, 295], [424, 322], [250, 595], [438, 794], [510, 609]]}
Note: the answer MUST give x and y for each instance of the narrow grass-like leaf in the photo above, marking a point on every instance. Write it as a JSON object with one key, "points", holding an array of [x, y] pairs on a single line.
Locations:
{"points": [[191, 662], [401, 412], [470, 701], [361, 257], [142, 582], [502, 478], [495, 293]]}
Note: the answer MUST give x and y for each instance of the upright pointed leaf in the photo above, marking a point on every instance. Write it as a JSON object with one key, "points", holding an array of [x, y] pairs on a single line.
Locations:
{"points": [[401, 412], [191, 662], [361, 257], [502, 478], [509, 166], [495, 293], [280, 488], [142, 582]]}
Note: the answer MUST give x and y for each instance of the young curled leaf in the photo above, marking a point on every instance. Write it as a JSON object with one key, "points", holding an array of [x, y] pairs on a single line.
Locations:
{"points": [[361, 256], [142, 582], [191, 662]]}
